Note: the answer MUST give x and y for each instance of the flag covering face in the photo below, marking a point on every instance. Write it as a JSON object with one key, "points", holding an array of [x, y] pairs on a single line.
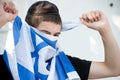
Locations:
{"points": [[31, 55]]}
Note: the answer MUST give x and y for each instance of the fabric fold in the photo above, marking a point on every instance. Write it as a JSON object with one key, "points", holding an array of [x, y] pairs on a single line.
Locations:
{"points": [[36, 57]]}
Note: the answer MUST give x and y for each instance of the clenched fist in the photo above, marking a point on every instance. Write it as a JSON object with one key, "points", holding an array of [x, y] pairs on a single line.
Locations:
{"points": [[8, 12], [95, 20]]}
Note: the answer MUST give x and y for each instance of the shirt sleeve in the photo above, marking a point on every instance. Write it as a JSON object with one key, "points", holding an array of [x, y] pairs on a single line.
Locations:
{"points": [[81, 66]]}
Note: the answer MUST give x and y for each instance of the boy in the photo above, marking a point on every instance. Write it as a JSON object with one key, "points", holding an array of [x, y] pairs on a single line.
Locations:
{"points": [[44, 16]]}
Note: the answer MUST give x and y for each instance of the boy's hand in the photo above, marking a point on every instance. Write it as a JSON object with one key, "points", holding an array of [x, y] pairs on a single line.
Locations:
{"points": [[8, 11], [95, 20], [10, 7]]}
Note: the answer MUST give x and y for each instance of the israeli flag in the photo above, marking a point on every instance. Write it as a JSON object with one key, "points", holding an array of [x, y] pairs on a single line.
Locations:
{"points": [[32, 55]]}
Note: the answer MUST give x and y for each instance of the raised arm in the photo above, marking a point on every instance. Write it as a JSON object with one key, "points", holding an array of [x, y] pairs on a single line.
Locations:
{"points": [[7, 12], [111, 66]]}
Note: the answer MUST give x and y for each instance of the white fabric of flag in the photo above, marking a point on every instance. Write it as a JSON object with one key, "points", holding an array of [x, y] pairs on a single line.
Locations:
{"points": [[32, 55]]}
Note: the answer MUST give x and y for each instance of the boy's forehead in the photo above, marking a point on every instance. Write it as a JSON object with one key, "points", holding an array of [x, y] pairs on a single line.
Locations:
{"points": [[48, 24]]}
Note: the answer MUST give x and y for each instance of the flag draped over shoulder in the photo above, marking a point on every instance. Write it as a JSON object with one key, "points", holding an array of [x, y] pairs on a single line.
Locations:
{"points": [[30, 55]]}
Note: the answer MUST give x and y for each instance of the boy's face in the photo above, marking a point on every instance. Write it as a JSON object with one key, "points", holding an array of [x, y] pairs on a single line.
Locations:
{"points": [[50, 28]]}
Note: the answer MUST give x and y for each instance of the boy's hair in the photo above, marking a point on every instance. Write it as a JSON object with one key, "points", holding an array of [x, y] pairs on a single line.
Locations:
{"points": [[42, 11]]}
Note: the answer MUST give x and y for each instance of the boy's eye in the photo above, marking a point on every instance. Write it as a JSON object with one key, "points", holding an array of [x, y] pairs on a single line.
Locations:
{"points": [[57, 34]]}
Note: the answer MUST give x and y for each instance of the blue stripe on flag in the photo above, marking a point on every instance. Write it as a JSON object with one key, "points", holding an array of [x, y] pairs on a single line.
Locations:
{"points": [[33, 37], [25, 74], [66, 62], [36, 65], [16, 29], [49, 42], [60, 71], [41, 76]]}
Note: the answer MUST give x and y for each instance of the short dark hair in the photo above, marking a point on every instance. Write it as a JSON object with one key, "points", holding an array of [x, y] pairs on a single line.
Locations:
{"points": [[42, 11]]}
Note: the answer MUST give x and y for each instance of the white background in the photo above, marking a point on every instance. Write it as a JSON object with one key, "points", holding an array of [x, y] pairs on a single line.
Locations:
{"points": [[81, 41]]}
